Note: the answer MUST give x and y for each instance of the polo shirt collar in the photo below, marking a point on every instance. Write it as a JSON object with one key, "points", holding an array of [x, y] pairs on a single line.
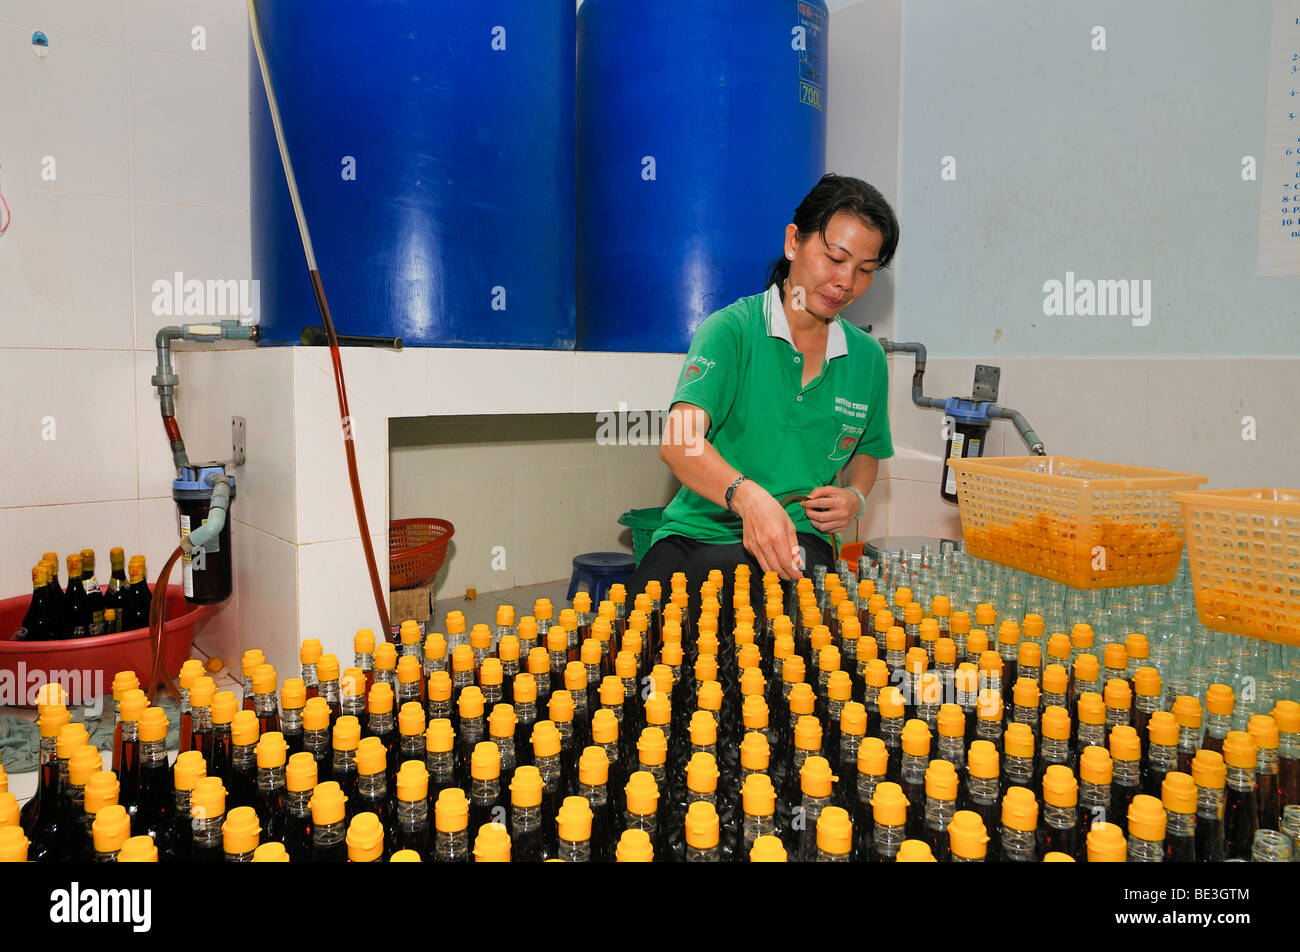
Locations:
{"points": [[778, 325]]}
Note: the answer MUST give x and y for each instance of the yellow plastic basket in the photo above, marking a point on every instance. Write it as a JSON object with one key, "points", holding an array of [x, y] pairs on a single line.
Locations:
{"points": [[1243, 548], [1084, 523]]}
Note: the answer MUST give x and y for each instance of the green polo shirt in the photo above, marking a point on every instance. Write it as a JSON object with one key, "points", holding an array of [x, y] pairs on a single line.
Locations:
{"points": [[746, 373]]}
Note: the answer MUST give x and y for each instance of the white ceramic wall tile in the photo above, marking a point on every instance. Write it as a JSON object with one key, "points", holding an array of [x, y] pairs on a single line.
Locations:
{"points": [[915, 508], [1193, 420], [168, 26], [262, 393], [393, 382], [266, 583], [642, 381], [159, 536], [66, 271], [189, 131], [29, 531], [218, 635], [84, 400], [324, 500], [99, 19], [334, 595], [208, 245], [69, 106], [500, 381]]}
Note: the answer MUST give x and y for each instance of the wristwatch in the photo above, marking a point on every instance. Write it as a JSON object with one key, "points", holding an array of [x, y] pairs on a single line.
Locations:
{"points": [[731, 490]]}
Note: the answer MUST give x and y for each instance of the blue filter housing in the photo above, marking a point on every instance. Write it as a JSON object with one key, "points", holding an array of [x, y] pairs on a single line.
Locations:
{"points": [[433, 145], [701, 127]]}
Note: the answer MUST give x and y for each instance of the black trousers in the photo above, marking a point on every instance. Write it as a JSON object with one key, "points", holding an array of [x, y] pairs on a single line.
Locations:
{"points": [[694, 558]]}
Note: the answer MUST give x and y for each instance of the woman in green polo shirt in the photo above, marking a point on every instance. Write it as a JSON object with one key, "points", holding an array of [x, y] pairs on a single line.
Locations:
{"points": [[777, 396]]}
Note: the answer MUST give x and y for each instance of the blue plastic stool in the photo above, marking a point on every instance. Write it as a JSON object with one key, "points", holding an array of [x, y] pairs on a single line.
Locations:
{"points": [[600, 570]]}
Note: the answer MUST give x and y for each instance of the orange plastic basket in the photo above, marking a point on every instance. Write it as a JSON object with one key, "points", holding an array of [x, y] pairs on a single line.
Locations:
{"points": [[1084, 523], [1243, 549], [416, 550]]}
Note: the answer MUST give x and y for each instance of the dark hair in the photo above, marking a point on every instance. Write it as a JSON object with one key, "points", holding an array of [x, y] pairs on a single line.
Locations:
{"points": [[841, 193]]}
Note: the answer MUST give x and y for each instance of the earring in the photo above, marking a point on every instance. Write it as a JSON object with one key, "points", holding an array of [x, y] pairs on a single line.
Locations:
{"points": [[790, 255]]}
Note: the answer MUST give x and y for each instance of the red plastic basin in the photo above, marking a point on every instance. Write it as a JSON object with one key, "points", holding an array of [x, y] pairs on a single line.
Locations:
{"points": [[83, 657]]}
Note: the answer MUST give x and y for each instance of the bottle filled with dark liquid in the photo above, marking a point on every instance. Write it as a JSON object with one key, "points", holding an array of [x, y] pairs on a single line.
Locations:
{"points": [[1187, 712], [269, 799], [328, 823], [1209, 772], [242, 781], [1219, 705], [1286, 714], [1060, 830], [941, 787], [1178, 794], [300, 775], [967, 838], [178, 840], [224, 708], [155, 797], [1146, 830], [365, 839], [1263, 731], [240, 835], [412, 828], [1240, 804], [451, 823], [207, 815]]}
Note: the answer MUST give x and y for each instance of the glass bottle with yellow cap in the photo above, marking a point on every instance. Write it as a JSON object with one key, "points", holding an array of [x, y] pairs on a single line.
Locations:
{"points": [[758, 806], [138, 849], [299, 783], [1018, 758], [242, 781], [485, 804], [437, 703], [1148, 691], [380, 724], [1161, 751], [605, 733], [411, 831], [1146, 830], [574, 828], [1240, 806], [329, 823], [365, 839], [1029, 660], [248, 661], [343, 765], [1055, 683], [1059, 831], [327, 670], [1187, 711], [1126, 762], [240, 835], [471, 730], [526, 789], [989, 713], [940, 805], [1263, 731], [175, 838], [527, 630], [560, 709], [133, 704], [207, 814], [834, 836], [156, 800], [575, 683], [1219, 706], [1105, 843], [293, 699], [373, 795], [410, 733], [1210, 775], [915, 760], [309, 653], [39, 816], [1019, 830], [224, 708], [889, 821], [190, 672], [593, 786], [967, 838], [1085, 678], [982, 773], [1178, 795], [434, 654], [91, 788], [1286, 714], [451, 823], [642, 809], [263, 683], [410, 684], [363, 648], [316, 722], [1096, 773], [111, 828]]}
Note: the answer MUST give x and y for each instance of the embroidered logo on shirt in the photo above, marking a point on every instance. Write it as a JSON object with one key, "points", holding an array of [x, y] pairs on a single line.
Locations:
{"points": [[696, 368], [845, 442]]}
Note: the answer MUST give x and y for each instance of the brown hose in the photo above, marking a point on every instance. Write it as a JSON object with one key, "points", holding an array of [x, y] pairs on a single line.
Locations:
{"points": [[157, 620]]}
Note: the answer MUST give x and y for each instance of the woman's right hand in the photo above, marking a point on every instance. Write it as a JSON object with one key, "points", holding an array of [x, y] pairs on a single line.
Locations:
{"points": [[769, 533]]}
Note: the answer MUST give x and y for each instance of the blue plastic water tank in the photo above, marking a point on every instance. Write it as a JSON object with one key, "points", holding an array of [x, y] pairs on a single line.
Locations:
{"points": [[701, 127], [433, 144]]}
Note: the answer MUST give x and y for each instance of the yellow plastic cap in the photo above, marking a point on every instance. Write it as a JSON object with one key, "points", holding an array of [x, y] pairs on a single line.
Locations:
{"points": [[593, 766], [470, 703], [1239, 750], [1147, 682], [526, 787], [754, 713], [328, 805], [815, 777], [1106, 844], [752, 681], [327, 668], [642, 793], [409, 632], [485, 762], [502, 721], [263, 678], [768, 849], [371, 756], [977, 642], [1018, 740], [410, 719], [1125, 743], [241, 831], [84, 762], [914, 851], [1178, 792], [347, 733], [573, 820], [272, 750], [701, 825], [1087, 668], [190, 672], [224, 707], [1055, 723], [634, 846], [1060, 788], [1115, 657], [1146, 818], [480, 637], [704, 729], [266, 853], [755, 752], [53, 718], [1025, 693], [888, 805], [1095, 765], [560, 707], [757, 795], [1209, 770], [293, 694], [102, 790], [243, 728], [808, 733], [385, 656], [951, 722], [1020, 809], [409, 670], [709, 696], [1187, 711], [916, 738], [309, 652], [1057, 857], [1263, 730], [364, 641], [1091, 708], [982, 760], [190, 768], [1029, 655], [316, 714], [440, 686], [853, 719], [890, 702], [365, 838], [1118, 695], [1287, 716], [945, 651], [1162, 728], [873, 757], [988, 705], [967, 836], [941, 780], [895, 638], [652, 747], [208, 798], [1055, 679], [71, 736], [138, 849], [834, 831], [132, 704], [604, 726], [545, 739], [451, 810], [435, 646], [299, 772], [1219, 700]]}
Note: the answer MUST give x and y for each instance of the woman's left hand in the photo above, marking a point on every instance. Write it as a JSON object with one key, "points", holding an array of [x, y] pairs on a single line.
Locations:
{"points": [[831, 508]]}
